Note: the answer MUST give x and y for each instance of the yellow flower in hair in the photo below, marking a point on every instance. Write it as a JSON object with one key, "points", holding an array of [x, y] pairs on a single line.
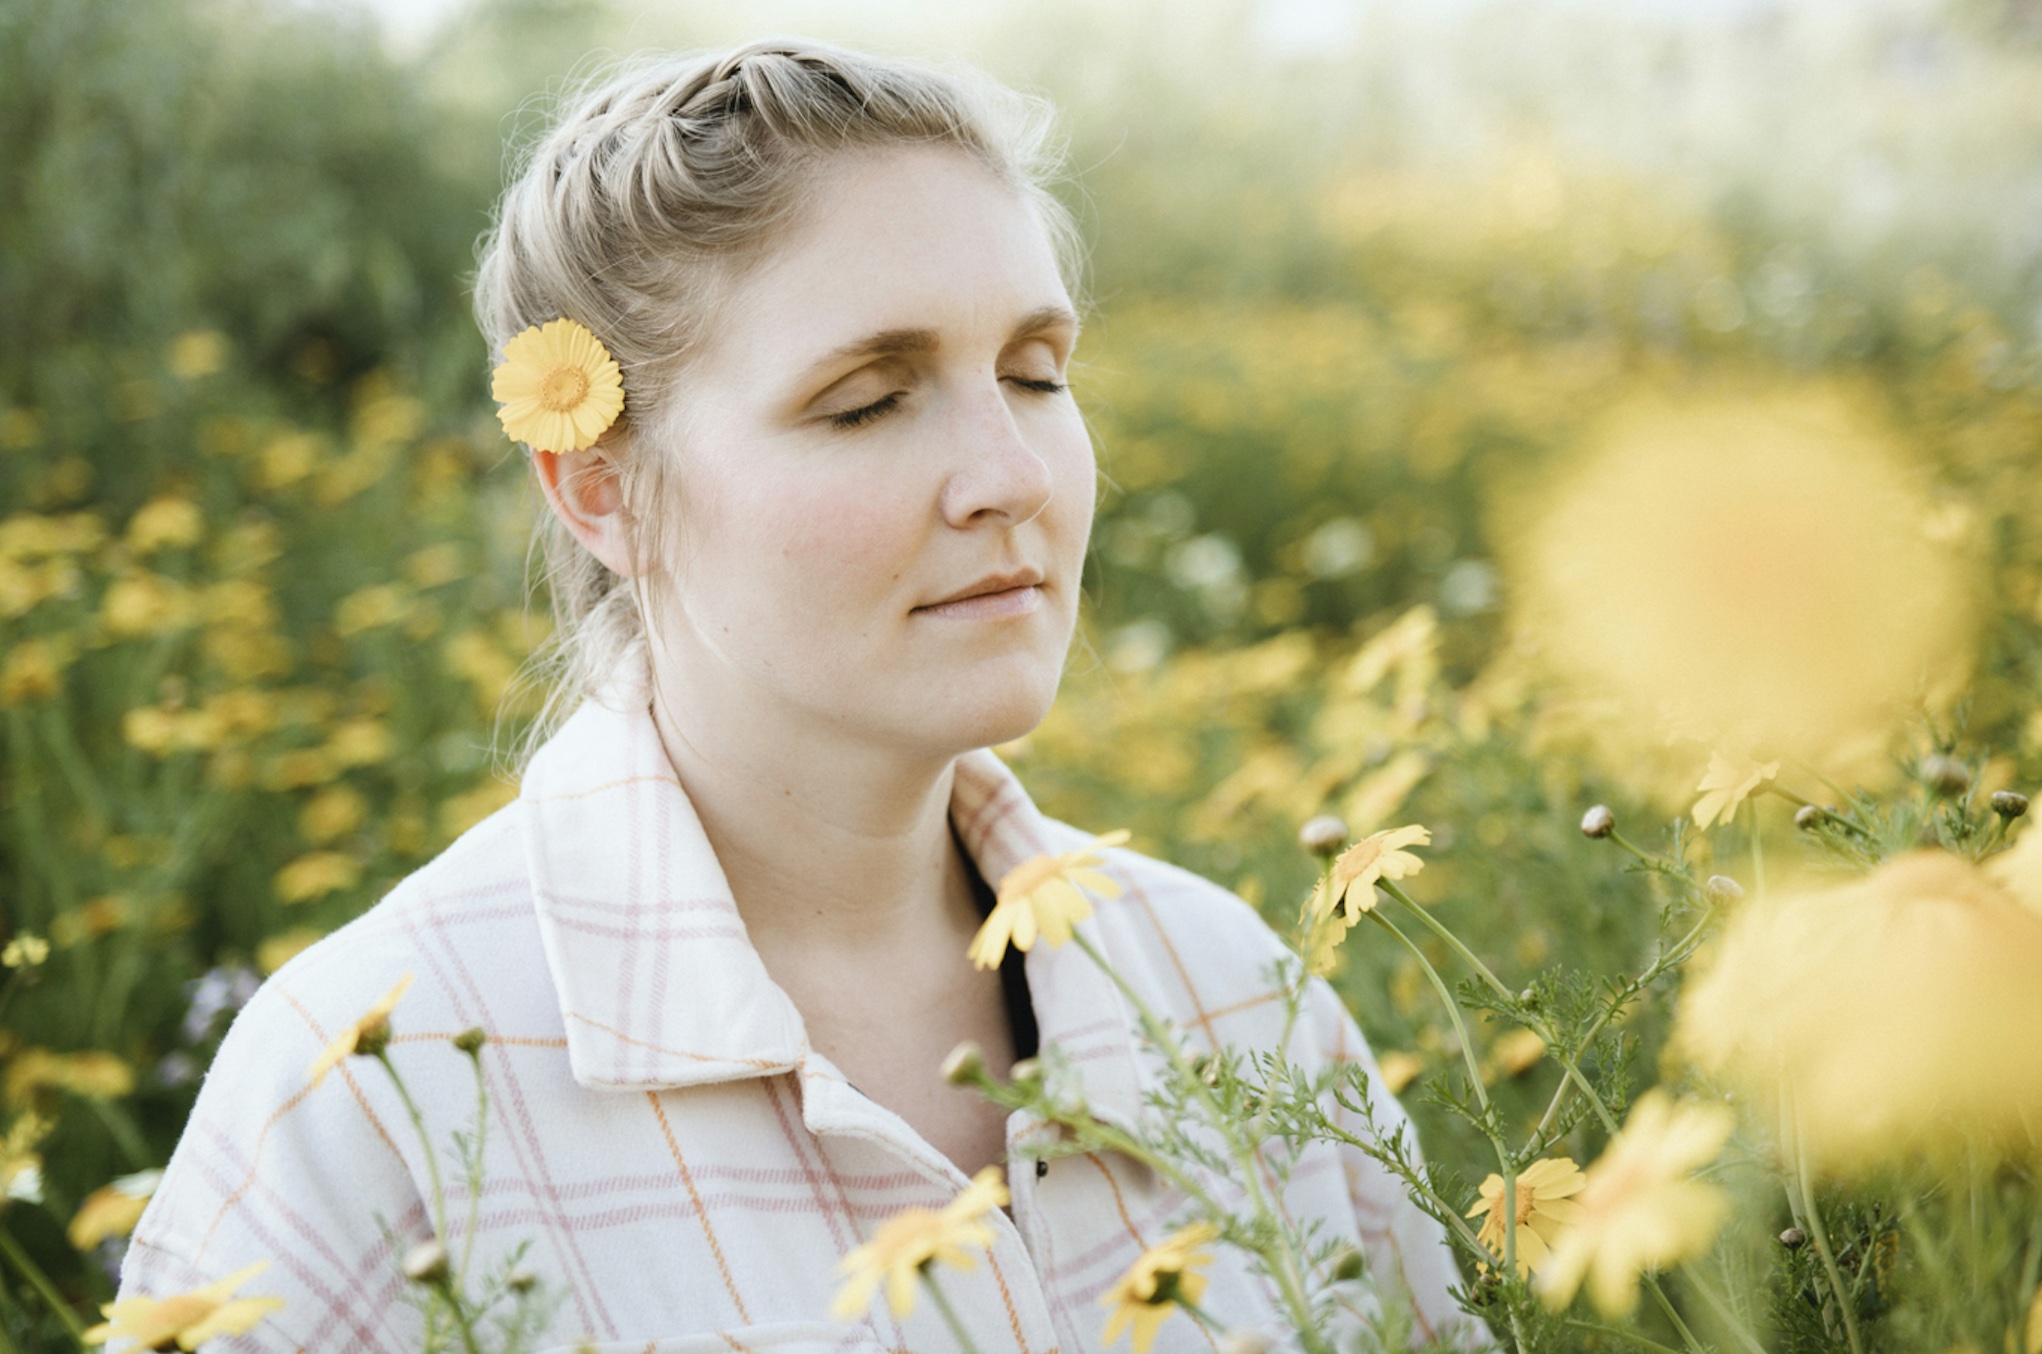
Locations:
{"points": [[559, 387], [1044, 896]]}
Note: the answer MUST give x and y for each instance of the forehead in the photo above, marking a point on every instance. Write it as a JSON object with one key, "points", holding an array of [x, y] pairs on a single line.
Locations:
{"points": [[912, 238]]}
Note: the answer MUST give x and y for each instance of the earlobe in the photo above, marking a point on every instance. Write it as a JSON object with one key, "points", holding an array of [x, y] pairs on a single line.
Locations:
{"points": [[585, 491]]}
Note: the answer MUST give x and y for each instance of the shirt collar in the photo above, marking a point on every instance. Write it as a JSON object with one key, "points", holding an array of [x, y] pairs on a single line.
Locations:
{"points": [[658, 983]]}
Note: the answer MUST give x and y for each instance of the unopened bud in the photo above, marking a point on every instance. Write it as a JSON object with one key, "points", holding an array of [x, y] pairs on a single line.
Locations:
{"points": [[426, 1263], [1025, 1074], [521, 1280], [1793, 1238], [1246, 1342], [1809, 815], [965, 1065], [1598, 822], [1528, 997], [470, 1041], [1323, 836], [373, 1040], [1349, 1264], [1945, 775], [1723, 889], [2009, 804]]}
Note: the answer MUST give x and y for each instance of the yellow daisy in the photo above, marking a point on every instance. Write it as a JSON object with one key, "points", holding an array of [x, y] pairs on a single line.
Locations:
{"points": [[1637, 1208], [112, 1210], [911, 1241], [1145, 1296], [1544, 1206], [186, 1320], [1044, 896], [1379, 855], [559, 387], [1726, 785], [362, 1034]]}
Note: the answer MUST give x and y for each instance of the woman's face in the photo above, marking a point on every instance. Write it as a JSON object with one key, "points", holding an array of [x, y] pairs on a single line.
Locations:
{"points": [[883, 488]]}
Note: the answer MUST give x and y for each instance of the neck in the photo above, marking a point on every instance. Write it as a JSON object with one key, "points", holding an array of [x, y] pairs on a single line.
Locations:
{"points": [[828, 844]]}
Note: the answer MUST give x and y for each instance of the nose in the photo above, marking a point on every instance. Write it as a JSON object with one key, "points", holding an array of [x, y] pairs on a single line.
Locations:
{"points": [[997, 476]]}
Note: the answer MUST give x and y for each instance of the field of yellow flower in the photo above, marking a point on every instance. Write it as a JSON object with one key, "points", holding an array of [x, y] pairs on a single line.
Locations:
{"points": [[1464, 491]]}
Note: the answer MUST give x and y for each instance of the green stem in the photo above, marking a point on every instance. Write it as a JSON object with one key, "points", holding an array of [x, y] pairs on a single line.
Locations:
{"points": [[47, 1291], [1821, 1237], [1289, 1272], [1453, 942], [1453, 1009], [1632, 1336], [950, 1317], [425, 1142], [1200, 1315], [474, 1168], [1666, 1305]]}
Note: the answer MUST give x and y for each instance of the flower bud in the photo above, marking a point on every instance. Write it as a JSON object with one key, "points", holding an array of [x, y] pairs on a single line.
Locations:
{"points": [[470, 1041], [1809, 816], [521, 1280], [373, 1040], [1528, 997], [1722, 888], [1598, 822], [965, 1065], [426, 1263], [1323, 836], [1349, 1264], [1945, 775], [1025, 1074], [1246, 1342], [2009, 804], [1793, 1238]]}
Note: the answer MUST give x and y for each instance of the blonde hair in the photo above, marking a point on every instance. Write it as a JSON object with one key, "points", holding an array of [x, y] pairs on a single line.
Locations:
{"points": [[648, 197]]}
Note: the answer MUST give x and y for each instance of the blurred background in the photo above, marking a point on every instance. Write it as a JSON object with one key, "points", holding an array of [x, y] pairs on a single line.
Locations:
{"points": [[1505, 406]]}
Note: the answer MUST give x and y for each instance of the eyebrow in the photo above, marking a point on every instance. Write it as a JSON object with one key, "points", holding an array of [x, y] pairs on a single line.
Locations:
{"points": [[897, 342]]}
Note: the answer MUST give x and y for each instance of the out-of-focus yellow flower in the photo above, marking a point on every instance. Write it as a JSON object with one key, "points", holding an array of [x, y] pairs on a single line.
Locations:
{"points": [[366, 1034], [909, 1242], [371, 607], [21, 1166], [1044, 896], [299, 768], [288, 458], [112, 1210], [1165, 1274], [1727, 784], [196, 353], [1383, 791], [559, 387], [142, 603], [1881, 1008], [25, 951], [332, 813], [316, 874], [1756, 559], [359, 742], [187, 1320], [1638, 1208], [1513, 1054], [97, 917], [1545, 1205], [33, 671], [2031, 1337], [473, 656], [434, 565], [91, 1074], [277, 950], [1399, 1069], [470, 807], [163, 523]]}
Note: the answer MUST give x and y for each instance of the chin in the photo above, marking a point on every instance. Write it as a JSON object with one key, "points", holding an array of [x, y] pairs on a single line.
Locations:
{"points": [[984, 708]]}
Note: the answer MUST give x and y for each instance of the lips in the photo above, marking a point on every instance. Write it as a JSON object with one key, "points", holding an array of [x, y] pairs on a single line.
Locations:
{"points": [[1027, 577]]}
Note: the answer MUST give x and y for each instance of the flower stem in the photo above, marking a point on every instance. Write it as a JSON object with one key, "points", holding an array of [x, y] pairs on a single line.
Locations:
{"points": [[1453, 942], [1632, 1336], [425, 1142], [949, 1313], [1666, 1305], [1821, 1237], [474, 1169], [1453, 1009], [47, 1291]]}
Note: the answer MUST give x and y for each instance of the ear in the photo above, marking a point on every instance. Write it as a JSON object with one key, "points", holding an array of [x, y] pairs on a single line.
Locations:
{"points": [[585, 491]]}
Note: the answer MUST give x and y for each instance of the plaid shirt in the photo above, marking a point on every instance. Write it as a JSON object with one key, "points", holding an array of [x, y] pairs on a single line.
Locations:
{"points": [[687, 1170]]}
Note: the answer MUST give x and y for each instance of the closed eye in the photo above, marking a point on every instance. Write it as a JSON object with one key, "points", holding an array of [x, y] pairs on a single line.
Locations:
{"points": [[858, 418], [1040, 387]]}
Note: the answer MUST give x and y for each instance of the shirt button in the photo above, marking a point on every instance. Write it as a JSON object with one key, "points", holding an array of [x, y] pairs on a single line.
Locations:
{"points": [[1041, 1168]]}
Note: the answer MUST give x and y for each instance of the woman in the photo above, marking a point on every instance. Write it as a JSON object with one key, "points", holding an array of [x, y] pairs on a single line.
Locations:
{"points": [[827, 555]]}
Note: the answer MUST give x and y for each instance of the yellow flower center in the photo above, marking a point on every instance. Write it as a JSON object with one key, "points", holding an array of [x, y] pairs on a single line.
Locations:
{"points": [[563, 388]]}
